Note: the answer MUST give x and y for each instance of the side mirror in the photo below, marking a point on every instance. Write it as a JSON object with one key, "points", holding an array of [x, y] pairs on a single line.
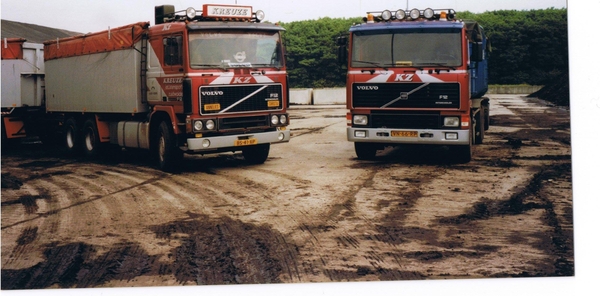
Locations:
{"points": [[342, 42], [476, 52]]}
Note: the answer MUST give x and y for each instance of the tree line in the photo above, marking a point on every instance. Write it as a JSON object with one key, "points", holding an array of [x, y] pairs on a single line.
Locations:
{"points": [[528, 47]]}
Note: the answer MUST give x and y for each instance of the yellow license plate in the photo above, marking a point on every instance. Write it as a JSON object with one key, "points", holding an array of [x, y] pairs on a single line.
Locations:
{"points": [[273, 103], [404, 134], [246, 142], [212, 107]]}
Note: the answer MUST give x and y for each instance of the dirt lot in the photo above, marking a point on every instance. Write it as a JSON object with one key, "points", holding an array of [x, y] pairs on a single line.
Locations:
{"points": [[311, 213]]}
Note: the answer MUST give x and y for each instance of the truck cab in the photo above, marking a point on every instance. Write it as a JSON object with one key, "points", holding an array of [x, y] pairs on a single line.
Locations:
{"points": [[411, 81]]}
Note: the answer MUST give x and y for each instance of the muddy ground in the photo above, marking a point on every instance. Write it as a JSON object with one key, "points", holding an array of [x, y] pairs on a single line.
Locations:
{"points": [[312, 213]]}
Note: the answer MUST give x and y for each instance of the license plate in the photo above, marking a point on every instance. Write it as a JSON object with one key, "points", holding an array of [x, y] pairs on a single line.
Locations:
{"points": [[246, 142], [273, 103], [212, 107], [404, 134]]}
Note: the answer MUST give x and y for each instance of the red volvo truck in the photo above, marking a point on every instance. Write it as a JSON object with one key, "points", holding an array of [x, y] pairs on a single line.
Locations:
{"points": [[416, 77], [198, 81]]}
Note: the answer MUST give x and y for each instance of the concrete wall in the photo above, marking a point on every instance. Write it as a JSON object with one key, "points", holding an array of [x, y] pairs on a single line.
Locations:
{"points": [[513, 89], [337, 96]]}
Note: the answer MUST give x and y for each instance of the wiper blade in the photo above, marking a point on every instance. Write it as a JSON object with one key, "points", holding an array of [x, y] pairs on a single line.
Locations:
{"points": [[374, 64], [437, 64]]}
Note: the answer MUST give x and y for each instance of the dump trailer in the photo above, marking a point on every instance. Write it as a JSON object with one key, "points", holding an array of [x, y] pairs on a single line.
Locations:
{"points": [[22, 87], [416, 77], [197, 82]]}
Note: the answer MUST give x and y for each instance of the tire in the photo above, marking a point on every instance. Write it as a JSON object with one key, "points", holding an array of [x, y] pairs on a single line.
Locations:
{"points": [[168, 154], [90, 139], [71, 137], [463, 153], [479, 126], [486, 117], [256, 154], [365, 151]]}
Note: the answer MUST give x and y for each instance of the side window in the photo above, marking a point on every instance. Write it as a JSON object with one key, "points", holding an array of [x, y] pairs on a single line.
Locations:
{"points": [[173, 50]]}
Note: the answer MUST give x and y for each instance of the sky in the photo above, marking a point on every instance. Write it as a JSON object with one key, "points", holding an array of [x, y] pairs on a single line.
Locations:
{"points": [[86, 16]]}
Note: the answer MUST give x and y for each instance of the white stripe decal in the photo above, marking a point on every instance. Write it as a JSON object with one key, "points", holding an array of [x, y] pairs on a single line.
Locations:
{"points": [[428, 78], [382, 77], [262, 79], [225, 78]]}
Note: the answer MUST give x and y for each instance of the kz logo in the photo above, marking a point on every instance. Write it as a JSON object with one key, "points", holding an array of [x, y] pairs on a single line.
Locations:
{"points": [[239, 80], [404, 77]]}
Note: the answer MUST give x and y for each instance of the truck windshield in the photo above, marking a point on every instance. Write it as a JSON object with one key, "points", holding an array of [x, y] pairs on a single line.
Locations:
{"points": [[235, 49], [406, 49]]}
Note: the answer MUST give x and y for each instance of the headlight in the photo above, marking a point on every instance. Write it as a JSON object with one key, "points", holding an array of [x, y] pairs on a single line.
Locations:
{"points": [[415, 14], [360, 119], [190, 13], [210, 124], [198, 125], [428, 13], [451, 121], [386, 15], [400, 14], [260, 15], [274, 119], [283, 119]]}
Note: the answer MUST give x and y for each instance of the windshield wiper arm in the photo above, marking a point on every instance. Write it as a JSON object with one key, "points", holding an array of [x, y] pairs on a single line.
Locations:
{"points": [[372, 63], [437, 64]]}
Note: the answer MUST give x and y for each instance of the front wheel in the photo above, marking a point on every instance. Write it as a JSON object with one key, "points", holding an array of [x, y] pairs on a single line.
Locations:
{"points": [[167, 152], [256, 154], [365, 151]]}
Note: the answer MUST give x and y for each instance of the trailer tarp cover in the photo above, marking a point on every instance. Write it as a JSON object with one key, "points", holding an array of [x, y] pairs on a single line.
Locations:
{"points": [[474, 31], [12, 48], [109, 40]]}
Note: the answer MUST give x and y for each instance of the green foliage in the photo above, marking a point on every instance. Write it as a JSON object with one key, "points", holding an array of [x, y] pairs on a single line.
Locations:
{"points": [[312, 52], [528, 47]]}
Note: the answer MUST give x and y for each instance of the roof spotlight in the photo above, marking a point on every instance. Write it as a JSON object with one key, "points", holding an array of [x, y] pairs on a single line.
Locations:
{"points": [[400, 14], [386, 15], [260, 15], [414, 14], [428, 13], [190, 13]]}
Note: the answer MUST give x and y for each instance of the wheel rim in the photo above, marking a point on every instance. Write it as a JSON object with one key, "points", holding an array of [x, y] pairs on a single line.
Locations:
{"points": [[161, 147], [89, 141], [70, 140]]}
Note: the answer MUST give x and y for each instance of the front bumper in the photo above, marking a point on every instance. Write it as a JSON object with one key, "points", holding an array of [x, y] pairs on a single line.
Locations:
{"points": [[228, 142], [424, 136]]}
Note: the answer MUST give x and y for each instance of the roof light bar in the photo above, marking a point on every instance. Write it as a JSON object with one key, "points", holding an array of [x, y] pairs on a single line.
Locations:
{"points": [[413, 14]]}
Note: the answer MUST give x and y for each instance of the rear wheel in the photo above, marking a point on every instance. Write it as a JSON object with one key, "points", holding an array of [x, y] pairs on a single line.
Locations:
{"points": [[256, 154], [167, 152], [365, 151], [71, 137], [91, 140], [479, 126]]}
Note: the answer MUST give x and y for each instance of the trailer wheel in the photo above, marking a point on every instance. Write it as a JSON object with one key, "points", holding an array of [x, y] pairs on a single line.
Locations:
{"points": [[167, 152], [91, 139], [365, 151], [71, 137], [256, 154]]}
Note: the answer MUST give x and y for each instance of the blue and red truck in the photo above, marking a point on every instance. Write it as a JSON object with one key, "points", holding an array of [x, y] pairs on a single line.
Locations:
{"points": [[416, 77]]}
